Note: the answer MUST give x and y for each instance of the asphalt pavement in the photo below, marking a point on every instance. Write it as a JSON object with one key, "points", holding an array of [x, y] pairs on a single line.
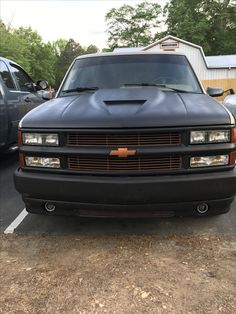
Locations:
{"points": [[11, 206]]}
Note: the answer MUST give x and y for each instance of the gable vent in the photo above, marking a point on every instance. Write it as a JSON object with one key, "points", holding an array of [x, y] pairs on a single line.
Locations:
{"points": [[169, 45]]}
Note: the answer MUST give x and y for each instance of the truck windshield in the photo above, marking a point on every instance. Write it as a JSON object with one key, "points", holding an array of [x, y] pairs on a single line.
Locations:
{"points": [[167, 72]]}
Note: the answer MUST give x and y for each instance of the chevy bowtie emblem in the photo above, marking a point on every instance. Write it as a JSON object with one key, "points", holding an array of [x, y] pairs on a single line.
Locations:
{"points": [[123, 152]]}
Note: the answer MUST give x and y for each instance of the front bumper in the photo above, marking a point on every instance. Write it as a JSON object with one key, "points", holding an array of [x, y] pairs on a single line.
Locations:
{"points": [[165, 195]]}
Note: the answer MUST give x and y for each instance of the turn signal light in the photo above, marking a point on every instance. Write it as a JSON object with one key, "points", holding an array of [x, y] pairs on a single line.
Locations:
{"points": [[232, 158], [19, 137], [233, 135], [21, 160]]}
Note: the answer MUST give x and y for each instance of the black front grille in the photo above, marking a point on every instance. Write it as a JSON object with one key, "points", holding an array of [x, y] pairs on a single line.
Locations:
{"points": [[129, 164], [124, 140]]}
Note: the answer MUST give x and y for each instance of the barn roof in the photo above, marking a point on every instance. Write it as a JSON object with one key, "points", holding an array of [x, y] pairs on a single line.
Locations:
{"points": [[130, 49], [221, 61], [174, 38]]}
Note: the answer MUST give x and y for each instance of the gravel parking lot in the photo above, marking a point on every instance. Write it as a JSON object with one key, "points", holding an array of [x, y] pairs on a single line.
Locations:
{"points": [[73, 265]]}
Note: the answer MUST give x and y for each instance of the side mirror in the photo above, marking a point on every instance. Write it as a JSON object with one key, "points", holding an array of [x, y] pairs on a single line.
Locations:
{"points": [[47, 95], [214, 91], [230, 90], [42, 85]]}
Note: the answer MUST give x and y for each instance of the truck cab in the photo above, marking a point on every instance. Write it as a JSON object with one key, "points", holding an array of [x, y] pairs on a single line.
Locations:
{"points": [[128, 135]]}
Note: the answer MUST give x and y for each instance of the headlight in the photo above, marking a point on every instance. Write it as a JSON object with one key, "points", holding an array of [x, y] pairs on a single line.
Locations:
{"points": [[40, 139], [207, 137], [209, 161], [42, 162]]}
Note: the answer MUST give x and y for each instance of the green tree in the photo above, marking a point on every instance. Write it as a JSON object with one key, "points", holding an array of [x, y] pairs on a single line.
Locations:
{"points": [[48, 64], [67, 55], [13, 47], [107, 49], [59, 45], [208, 23], [91, 49], [222, 30], [40, 56], [41, 60], [132, 26], [65, 52]]}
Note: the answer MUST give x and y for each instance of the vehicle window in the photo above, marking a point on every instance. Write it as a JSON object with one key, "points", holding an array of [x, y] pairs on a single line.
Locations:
{"points": [[23, 80], [6, 76], [117, 71]]}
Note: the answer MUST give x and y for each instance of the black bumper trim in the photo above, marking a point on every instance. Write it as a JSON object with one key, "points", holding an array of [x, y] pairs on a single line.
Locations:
{"points": [[37, 206], [127, 192]]}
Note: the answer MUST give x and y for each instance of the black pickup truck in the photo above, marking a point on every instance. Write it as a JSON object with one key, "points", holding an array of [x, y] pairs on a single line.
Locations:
{"points": [[128, 135], [18, 95]]}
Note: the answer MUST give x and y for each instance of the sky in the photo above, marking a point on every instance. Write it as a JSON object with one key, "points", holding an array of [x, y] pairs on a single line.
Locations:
{"points": [[84, 21]]}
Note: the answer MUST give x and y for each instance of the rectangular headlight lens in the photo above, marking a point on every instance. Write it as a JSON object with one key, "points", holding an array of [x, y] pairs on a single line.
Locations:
{"points": [[197, 137], [40, 139], [207, 137], [42, 162], [209, 161]]}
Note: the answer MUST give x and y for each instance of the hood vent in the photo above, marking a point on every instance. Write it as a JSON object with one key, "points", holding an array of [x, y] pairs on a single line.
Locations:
{"points": [[124, 102]]}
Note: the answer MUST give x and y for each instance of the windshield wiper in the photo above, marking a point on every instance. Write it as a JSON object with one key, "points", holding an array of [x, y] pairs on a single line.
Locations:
{"points": [[80, 89], [159, 85], [145, 84]]}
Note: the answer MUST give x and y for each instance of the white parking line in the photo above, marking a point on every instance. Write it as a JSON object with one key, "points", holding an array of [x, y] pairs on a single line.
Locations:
{"points": [[16, 222]]}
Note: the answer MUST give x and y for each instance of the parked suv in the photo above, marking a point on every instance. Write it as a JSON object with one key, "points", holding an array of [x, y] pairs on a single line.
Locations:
{"points": [[128, 135], [18, 95]]}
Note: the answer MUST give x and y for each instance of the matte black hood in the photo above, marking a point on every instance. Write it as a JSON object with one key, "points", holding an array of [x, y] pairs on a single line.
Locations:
{"points": [[128, 107]]}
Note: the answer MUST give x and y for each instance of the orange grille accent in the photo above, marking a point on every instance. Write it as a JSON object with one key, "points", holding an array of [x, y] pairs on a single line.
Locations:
{"points": [[121, 140], [129, 164]]}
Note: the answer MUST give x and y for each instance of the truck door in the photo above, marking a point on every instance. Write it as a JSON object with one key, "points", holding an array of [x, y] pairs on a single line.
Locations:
{"points": [[12, 106], [3, 118], [26, 87]]}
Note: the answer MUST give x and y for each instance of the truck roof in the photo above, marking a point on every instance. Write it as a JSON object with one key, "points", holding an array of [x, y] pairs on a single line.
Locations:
{"points": [[8, 61], [106, 54]]}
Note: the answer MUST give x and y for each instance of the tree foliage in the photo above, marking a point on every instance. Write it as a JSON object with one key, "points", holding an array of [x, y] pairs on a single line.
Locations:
{"points": [[41, 60], [40, 56], [67, 55], [208, 23], [91, 49], [133, 26], [11, 46]]}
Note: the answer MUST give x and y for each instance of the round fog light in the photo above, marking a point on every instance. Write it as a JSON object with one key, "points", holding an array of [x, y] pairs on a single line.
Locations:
{"points": [[202, 208], [50, 207]]}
